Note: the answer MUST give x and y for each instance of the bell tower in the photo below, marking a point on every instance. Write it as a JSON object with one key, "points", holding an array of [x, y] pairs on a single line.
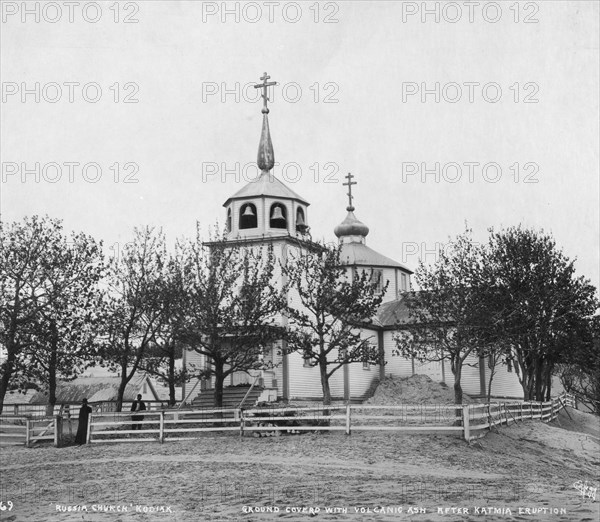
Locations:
{"points": [[266, 207]]}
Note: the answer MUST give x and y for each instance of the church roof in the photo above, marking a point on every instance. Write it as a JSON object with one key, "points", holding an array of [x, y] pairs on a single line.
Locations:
{"points": [[266, 185], [360, 254], [392, 313]]}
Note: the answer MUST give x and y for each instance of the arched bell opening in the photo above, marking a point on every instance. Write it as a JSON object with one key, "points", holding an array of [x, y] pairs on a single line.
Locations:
{"points": [[278, 216], [301, 225], [229, 221], [248, 217]]}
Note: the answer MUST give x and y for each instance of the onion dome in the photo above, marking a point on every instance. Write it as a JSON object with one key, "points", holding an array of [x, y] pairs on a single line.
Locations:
{"points": [[351, 226]]}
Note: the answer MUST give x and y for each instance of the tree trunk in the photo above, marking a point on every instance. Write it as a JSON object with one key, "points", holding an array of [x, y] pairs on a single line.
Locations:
{"points": [[325, 384], [121, 391], [52, 377], [7, 370], [219, 381], [458, 392], [538, 380], [172, 398]]}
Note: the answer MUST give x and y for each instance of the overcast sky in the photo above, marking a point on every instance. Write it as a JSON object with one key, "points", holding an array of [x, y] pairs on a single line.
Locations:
{"points": [[518, 97]]}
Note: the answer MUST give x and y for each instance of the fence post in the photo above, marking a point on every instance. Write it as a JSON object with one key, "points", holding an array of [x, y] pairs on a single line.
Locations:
{"points": [[27, 433], [242, 422], [88, 438], [161, 434], [58, 425], [466, 425], [521, 412], [347, 419]]}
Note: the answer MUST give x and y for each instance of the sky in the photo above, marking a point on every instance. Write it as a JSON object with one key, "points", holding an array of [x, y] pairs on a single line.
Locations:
{"points": [[144, 113]]}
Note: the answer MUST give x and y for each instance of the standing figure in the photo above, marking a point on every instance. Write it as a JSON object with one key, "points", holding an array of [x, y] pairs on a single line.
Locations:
{"points": [[137, 405], [82, 425]]}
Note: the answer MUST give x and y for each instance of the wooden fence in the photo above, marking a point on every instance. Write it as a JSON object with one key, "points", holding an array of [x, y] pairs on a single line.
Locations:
{"points": [[470, 421]]}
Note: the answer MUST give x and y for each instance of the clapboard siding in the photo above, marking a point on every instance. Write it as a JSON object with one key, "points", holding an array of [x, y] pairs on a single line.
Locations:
{"points": [[470, 379], [397, 366], [305, 382], [504, 383]]}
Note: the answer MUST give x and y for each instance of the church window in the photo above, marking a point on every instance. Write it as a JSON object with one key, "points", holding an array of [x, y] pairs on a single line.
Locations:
{"points": [[229, 227], [278, 216], [306, 357], [300, 220], [248, 216], [366, 365], [377, 277], [509, 366], [404, 282]]}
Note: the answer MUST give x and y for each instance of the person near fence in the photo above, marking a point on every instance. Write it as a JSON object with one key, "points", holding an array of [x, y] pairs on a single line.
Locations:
{"points": [[137, 405], [82, 425]]}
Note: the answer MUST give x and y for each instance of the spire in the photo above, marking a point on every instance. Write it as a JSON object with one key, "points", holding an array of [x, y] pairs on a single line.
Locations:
{"points": [[266, 155], [351, 228]]}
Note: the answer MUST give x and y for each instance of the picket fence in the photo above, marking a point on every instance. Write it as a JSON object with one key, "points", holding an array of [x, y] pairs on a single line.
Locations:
{"points": [[470, 421]]}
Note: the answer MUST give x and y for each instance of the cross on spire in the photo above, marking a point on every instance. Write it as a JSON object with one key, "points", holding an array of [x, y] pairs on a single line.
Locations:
{"points": [[349, 177], [263, 86]]}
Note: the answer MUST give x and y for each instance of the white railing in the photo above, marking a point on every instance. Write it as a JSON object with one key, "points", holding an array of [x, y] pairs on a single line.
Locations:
{"points": [[468, 421]]}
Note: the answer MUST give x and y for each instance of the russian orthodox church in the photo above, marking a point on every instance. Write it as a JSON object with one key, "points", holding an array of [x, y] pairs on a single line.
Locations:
{"points": [[267, 212]]}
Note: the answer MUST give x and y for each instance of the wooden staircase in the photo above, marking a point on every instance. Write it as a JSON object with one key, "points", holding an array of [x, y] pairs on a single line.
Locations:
{"points": [[232, 396]]}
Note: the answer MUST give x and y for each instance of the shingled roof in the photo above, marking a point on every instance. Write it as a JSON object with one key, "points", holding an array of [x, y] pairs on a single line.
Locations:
{"points": [[392, 313], [266, 185], [94, 389]]}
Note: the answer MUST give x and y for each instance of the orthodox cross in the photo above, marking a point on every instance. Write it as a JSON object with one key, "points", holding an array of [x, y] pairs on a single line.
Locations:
{"points": [[349, 185], [264, 86]]}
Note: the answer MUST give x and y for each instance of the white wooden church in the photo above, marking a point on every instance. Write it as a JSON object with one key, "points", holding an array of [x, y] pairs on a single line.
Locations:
{"points": [[267, 212]]}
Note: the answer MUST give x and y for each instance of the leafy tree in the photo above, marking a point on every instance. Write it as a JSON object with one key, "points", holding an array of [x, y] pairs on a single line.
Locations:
{"points": [[333, 303], [448, 317], [134, 308], [231, 307], [541, 307], [37, 282], [65, 332], [166, 347], [580, 372]]}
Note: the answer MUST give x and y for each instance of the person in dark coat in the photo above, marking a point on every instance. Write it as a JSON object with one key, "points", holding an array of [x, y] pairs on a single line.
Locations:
{"points": [[82, 425], [137, 405]]}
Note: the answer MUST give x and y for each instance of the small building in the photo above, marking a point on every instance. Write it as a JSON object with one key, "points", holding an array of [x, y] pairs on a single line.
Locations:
{"points": [[101, 392]]}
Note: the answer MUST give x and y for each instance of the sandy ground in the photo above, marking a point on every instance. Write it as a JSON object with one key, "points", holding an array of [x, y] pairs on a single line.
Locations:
{"points": [[529, 465]]}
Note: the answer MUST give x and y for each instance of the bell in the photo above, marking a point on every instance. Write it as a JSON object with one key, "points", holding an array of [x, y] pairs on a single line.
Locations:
{"points": [[277, 214], [248, 211], [300, 221]]}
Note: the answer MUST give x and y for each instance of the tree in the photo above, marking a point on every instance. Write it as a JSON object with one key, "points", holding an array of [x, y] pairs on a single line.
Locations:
{"points": [[334, 301], [167, 346], [231, 307], [134, 309], [580, 372], [541, 307], [35, 275], [448, 316], [65, 332]]}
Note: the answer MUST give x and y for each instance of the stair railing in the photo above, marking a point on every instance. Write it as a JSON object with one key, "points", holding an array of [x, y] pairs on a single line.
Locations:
{"points": [[248, 392], [188, 395]]}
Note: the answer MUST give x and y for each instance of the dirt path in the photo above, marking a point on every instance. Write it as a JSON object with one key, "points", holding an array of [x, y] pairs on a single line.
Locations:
{"points": [[527, 466]]}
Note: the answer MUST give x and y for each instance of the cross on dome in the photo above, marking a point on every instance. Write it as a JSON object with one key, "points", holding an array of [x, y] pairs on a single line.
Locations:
{"points": [[263, 86], [349, 177]]}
